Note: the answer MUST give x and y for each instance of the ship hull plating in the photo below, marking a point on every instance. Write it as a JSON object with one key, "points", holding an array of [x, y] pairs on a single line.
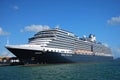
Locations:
{"points": [[45, 57]]}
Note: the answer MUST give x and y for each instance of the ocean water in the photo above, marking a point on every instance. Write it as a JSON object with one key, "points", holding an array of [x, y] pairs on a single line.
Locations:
{"points": [[79, 71]]}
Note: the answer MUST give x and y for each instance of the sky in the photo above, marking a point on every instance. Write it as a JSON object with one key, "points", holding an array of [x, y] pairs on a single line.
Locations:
{"points": [[21, 19]]}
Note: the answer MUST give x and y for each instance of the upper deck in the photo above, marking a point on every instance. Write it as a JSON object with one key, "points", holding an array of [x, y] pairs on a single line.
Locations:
{"points": [[62, 39]]}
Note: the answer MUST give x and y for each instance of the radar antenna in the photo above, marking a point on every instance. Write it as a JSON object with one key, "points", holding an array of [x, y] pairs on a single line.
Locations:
{"points": [[57, 27]]}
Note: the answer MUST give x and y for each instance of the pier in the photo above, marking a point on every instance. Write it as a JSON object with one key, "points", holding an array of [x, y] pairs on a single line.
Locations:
{"points": [[6, 61]]}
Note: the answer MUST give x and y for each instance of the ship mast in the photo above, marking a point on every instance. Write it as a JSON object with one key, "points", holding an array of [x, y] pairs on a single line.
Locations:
{"points": [[7, 43]]}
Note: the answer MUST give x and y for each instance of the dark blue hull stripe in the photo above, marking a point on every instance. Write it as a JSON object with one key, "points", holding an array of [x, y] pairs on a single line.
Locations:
{"points": [[38, 57]]}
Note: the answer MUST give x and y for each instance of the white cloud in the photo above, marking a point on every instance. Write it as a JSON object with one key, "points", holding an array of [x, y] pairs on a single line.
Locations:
{"points": [[3, 33], [114, 20], [6, 54], [34, 28], [116, 52], [15, 7]]}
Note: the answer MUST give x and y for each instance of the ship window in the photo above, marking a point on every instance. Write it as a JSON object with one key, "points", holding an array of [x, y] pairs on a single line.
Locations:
{"points": [[51, 50], [43, 49], [33, 58]]}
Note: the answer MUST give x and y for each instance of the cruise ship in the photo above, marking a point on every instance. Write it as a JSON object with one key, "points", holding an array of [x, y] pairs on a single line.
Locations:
{"points": [[60, 46]]}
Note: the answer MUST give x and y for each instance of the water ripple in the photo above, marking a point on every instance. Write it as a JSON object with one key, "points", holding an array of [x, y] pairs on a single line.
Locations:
{"points": [[81, 71]]}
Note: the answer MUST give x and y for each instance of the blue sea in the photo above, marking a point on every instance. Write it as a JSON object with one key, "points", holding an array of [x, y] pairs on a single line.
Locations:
{"points": [[79, 71]]}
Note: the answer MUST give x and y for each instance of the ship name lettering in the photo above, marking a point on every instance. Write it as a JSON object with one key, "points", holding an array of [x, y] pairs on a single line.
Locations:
{"points": [[66, 54]]}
